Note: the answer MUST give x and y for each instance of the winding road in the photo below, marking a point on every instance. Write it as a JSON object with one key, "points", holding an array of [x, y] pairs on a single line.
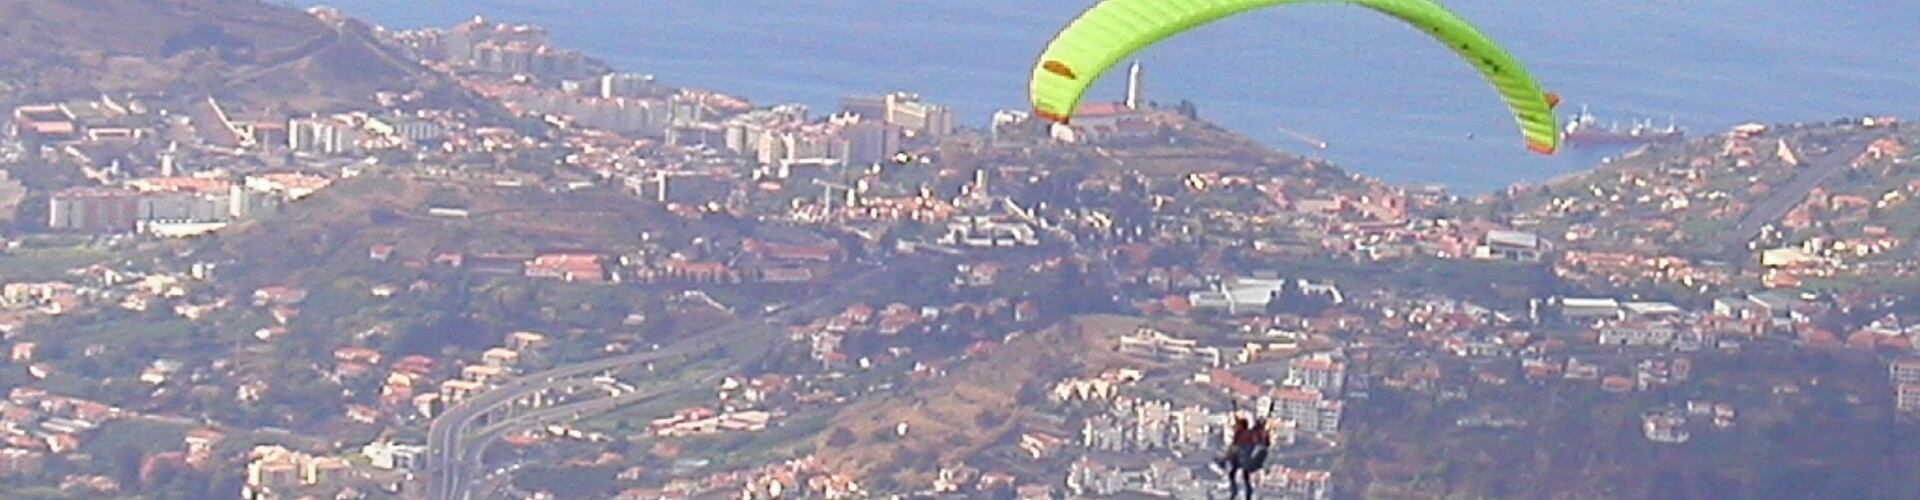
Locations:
{"points": [[1817, 169], [453, 463]]}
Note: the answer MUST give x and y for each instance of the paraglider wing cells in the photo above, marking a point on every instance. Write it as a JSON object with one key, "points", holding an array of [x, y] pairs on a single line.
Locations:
{"points": [[1112, 29]]}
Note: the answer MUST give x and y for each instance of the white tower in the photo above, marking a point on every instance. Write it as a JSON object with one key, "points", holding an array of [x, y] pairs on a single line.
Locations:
{"points": [[1133, 86]]}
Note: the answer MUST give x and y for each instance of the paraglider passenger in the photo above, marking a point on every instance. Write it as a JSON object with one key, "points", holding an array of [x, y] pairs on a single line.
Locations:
{"points": [[1247, 454]]}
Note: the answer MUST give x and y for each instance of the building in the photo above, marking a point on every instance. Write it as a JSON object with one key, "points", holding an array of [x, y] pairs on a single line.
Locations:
{"points": [[291, 185], [406, 128], [387, 455], [1133, 86], [1511, 245], [461, 41], [515, 57], [1586, 309], [625, 85], [1907, 399], [919, 118], [984, 232], [905, 109], [525, 341], [869, 107], [1309, 409], [1904, 371], [1667, 429], [1318, 372], [94, 210], [323, 135], [270, 134], [1298, 484], [43, 122], [870, 141], [274, 468], [1005, 119]]}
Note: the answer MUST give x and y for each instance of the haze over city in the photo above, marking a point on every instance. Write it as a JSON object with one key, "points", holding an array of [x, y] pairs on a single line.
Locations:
{"points": [[1114, 249]]}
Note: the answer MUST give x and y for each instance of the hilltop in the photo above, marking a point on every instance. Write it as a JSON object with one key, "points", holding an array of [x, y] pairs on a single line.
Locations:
{"points": [[1186, 144], [258, 53]]}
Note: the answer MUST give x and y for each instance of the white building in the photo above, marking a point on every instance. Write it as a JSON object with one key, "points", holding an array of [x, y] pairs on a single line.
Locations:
{"points": [[387, 455], [323, 135], [1511, 245], [1319, 372], [405, 128]]}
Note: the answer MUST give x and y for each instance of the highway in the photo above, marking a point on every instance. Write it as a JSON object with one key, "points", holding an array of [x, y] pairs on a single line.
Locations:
{"points": [[1817, 170], [453, 460]]}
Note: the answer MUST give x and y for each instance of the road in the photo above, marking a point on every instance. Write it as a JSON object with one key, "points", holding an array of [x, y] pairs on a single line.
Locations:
{"points": [[1817, 170], [452, 462]]}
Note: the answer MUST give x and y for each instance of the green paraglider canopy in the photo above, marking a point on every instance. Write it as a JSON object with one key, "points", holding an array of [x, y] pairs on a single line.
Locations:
{"points": [[1112, 29]]}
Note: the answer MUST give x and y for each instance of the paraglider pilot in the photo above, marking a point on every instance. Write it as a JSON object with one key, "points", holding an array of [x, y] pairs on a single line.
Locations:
{"points": [[1247, 454]]}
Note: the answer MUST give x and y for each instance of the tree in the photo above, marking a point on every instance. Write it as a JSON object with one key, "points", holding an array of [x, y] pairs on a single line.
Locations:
{"points": [[1076, 293], [381, 216], [841, 437], [1030, 394], [1187, 109], [126, 464], [989, 419]]}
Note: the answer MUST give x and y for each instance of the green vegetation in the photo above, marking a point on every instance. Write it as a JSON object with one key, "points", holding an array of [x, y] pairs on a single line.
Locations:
{"points": [[1584, 442], [570, 481], [39, 264]]}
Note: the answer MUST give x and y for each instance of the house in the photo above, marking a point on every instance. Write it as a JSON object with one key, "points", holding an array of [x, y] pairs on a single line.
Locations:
{"points": [[1662, 428], [786, 275], [1780, 306], [1582, 309], [450, 259], [363, 414], [569, 267], [500, 357], [201, 440], [977, 275], [482, 374], [776, 251], [278, 295], [380, 252], [523, 341], [1040, 445], [357, 355], [1511, 245]]}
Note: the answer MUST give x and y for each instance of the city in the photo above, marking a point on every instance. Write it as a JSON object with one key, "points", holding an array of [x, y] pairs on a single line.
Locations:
{"points": [[586, 283]]}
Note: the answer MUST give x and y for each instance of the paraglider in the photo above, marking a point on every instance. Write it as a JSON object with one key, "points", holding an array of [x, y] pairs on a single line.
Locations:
{"points": [[1112, 29], [1247, 452]]}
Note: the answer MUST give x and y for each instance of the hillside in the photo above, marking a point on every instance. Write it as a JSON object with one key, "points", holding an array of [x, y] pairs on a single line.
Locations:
{"points": [[339, 224], [1813, 205], [1718, 191], [1185, 145], [258, 53], [977, 403], [1809, 425]]}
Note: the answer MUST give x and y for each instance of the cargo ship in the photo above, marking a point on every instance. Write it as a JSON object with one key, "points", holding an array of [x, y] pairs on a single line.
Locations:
{"points": [[1583, 129]]}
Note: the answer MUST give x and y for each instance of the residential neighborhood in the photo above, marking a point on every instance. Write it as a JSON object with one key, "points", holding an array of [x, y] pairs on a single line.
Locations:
{"points": [[204, 298]]}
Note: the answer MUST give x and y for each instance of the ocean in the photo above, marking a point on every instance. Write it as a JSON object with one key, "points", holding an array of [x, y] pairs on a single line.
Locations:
{"points": [[1389, 102]]}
